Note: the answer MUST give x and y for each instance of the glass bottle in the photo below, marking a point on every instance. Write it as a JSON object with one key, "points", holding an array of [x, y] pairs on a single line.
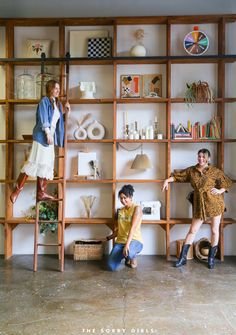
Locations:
{"points": [[41, 81], [25, 86]]}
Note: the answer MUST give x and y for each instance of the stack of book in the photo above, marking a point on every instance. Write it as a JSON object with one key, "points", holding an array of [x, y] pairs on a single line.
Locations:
{"points": [[209, 130], [180, 132]]}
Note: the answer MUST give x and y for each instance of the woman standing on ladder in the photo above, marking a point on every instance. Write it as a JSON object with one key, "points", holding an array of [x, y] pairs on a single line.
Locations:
{"points": [[48, 131], [209, 184]]}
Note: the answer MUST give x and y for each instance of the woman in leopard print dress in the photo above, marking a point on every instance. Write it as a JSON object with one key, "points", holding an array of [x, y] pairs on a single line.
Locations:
{"points": [[209, 184]]}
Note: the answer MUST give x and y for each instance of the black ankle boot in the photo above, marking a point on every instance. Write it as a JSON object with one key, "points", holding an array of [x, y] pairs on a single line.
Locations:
{"points": [[211, 257], [183, 256]]}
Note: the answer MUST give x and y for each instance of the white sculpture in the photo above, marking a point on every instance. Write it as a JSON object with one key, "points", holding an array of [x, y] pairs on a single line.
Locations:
{"points": [[87, 88]]}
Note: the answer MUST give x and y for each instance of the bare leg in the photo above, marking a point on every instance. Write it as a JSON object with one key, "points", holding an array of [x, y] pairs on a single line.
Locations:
{"points": [[195, 226], [215, 227]]}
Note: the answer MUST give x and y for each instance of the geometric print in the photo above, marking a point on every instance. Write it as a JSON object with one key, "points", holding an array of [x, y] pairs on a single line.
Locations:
{"points": [[99, 47]]}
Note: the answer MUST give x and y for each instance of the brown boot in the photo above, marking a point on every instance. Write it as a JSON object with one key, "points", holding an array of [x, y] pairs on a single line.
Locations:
{"points": [[41, 190], [18, 187]]}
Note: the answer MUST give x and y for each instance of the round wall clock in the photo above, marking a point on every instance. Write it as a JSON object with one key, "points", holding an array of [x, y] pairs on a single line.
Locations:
{"points": [[196, 42]]}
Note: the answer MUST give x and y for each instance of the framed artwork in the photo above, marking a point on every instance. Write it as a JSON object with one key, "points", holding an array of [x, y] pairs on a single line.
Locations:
{"points": [[84, 168], [152, 85], [99, 47], [79, 41], [36, 47], [130, 86]]}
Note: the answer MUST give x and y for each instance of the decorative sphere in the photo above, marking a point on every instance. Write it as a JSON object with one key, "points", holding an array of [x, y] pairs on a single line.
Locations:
{"points": [[138, 51]]}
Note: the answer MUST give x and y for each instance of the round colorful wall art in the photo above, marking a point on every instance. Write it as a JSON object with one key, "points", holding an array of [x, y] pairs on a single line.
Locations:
{"points": [[196, 42]]}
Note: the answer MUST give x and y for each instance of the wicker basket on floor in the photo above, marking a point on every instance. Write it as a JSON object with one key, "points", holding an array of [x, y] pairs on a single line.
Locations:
{"points": [[88, 250]]}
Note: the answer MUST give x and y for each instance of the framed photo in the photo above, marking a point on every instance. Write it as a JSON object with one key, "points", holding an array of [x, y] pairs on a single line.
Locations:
{"points": [[130, 86], [152, 85]]}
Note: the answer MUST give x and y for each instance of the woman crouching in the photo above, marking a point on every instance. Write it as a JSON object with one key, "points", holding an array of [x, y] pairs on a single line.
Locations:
{"points": [[127, 231]]}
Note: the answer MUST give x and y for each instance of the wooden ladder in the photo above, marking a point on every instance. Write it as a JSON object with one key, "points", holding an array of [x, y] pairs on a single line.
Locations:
{"points": [[61, 193], [61, 213]]}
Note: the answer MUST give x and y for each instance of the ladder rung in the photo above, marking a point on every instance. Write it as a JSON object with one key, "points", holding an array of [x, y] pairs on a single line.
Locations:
{"points": [[49, 200], [49, 221], [61, 156], [49, 244]]}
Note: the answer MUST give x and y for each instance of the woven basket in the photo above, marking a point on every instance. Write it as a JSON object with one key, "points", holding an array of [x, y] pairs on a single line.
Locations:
{"points": [[201, 248], [88, 250]]}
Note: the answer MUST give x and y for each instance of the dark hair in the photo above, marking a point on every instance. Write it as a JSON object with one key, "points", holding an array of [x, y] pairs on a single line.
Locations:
{"points": [[204, 152], [127, 190]]}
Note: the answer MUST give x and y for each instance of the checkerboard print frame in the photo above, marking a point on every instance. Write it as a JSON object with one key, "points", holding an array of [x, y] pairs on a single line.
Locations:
{"points": [[99, 47]]}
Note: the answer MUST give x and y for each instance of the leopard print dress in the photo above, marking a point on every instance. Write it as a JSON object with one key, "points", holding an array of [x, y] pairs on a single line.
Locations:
{"points": [[205, 204]]}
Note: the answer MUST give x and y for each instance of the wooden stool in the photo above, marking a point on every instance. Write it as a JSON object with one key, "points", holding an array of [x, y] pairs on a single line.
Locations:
{"points": [[179, 245]]}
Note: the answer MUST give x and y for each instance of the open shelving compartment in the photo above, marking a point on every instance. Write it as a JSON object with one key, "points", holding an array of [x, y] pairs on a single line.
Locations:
{"points": [[165, 56]]}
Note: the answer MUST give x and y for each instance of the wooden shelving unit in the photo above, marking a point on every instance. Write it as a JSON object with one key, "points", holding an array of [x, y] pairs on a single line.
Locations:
{"points": [[9, 62]]}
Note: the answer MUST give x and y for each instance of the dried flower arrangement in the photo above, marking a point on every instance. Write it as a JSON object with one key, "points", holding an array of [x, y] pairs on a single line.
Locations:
{"points": [[139, 35], [88, 201]]}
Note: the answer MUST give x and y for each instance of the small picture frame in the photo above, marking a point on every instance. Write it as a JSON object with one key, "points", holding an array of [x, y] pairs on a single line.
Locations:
{"points": [[84, 168], [152, 86], [130, 86]]}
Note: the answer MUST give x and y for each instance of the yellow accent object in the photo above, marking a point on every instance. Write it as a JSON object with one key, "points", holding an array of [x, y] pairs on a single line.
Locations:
{"points": [[189, 126], [125, 216]]}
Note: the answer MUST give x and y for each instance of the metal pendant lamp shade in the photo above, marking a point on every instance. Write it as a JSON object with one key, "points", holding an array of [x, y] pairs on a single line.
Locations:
{"points": [[141, 162]]}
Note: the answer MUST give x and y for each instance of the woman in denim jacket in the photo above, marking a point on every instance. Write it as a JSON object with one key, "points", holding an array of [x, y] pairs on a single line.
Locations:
{"points": [[48, 131]]}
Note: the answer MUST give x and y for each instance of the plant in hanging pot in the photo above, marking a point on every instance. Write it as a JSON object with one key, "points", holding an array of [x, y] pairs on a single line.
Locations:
{"points": [[138, 50]]}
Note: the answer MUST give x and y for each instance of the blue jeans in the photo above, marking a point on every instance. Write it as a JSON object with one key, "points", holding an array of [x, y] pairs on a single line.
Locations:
{"points": [[116, 254]]}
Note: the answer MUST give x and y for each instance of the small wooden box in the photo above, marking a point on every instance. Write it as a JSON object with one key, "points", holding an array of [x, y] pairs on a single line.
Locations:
{"points": [[88, 250], [179, 245]]}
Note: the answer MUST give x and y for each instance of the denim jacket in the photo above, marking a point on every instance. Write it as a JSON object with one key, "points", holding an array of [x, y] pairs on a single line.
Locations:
{"points": [[44, 116]]}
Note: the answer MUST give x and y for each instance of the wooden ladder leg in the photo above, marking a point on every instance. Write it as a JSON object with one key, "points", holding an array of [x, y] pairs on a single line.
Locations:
{"points": [[36, 234], [62, 253]]}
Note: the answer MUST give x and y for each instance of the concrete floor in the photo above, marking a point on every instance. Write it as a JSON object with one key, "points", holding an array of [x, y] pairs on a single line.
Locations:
{"points": [[153, 299]]}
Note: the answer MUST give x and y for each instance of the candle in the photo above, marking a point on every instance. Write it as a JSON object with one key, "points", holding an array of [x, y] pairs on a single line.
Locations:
{"points": [[125, 116]]}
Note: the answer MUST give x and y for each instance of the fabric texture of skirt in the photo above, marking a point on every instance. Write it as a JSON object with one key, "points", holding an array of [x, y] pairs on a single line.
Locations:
{"points": [[40, 162]]}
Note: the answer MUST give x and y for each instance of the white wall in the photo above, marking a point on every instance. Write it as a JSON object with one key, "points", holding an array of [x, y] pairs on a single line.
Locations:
{"points": [[182, 155], [103, 8]]}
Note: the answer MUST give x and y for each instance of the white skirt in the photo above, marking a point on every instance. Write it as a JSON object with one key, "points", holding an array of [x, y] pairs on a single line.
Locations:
{"points": [[40, 162]]}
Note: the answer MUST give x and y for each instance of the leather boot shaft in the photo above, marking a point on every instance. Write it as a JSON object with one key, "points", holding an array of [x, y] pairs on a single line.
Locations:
{"points": [[183, 256], [20, 182], [41, 190], [211, 256]]}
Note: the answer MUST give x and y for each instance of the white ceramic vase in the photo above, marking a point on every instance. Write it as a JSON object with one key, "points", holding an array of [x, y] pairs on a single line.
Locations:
{"points": [[138, 51]]}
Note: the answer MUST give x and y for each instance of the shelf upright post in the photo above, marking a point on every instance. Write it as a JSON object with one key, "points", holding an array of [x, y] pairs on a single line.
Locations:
{"points": [[168, 147], [221, 114], [9, 174]]}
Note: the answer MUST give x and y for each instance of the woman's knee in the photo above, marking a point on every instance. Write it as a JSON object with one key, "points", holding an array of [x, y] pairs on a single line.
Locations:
{"points": [[193, 230], [112, 265]]}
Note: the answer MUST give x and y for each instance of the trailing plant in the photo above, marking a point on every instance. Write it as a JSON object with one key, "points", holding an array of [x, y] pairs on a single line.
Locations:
{"points": [[198, 92], [48, 211]]}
